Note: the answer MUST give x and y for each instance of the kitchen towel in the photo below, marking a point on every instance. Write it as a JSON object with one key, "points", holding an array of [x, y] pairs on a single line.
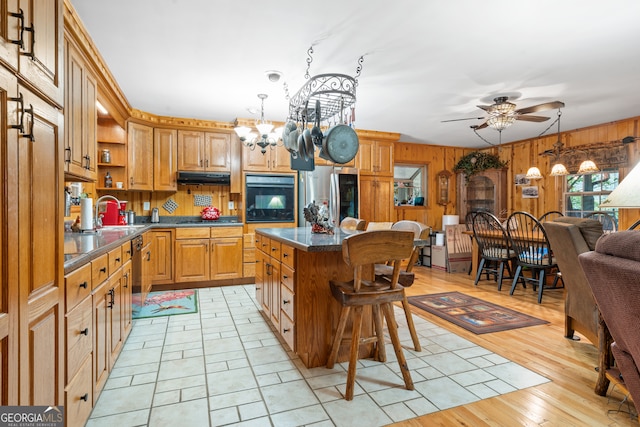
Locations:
{"points": [[86, 214]]}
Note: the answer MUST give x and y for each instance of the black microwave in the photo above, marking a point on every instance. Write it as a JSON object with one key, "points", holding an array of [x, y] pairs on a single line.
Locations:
{"points": [[270, 198]]}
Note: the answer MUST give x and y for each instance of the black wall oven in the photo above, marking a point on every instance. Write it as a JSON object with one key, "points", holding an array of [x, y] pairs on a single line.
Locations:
{"points": [[270, 198]]}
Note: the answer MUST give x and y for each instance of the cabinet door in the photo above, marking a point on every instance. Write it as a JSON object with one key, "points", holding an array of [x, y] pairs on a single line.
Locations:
{"points": [[280, 160], [146, 268], [9, 33], [162, 249], [190, 150], [383, 158], [75, 154], [384, 200], [90, 125], [217, 152], [254, 160], [192, 260], [140, 141], [126, 296], [41, 303], [226, 258], [40, 61], [114, 303], [364, 159], [274, 293], [367, 198], [165, 159], [101, 343]]}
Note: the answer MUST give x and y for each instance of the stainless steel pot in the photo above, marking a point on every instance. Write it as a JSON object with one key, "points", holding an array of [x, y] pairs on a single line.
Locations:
{"points": [[340, 144]]}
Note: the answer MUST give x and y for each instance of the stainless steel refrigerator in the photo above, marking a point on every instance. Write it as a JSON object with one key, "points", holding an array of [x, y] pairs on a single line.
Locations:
{"points": [[335, 185]]}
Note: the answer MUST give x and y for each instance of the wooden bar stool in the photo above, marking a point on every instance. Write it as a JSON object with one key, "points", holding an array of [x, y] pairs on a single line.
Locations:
{"points": [[351, 223], [362, 252]]}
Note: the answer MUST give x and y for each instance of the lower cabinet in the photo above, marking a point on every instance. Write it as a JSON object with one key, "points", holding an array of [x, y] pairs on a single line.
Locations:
{"points": [[275, 285], [376, 203], [143, 270], [162, 256], [208, 253], [98, 320]]}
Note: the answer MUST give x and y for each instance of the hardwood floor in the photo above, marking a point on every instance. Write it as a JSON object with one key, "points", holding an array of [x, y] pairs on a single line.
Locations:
{"points": [[567, 400]]}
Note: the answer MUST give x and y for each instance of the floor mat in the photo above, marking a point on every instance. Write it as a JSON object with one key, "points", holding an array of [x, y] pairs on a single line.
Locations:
{"points": [[473, 314], [165, 303]]}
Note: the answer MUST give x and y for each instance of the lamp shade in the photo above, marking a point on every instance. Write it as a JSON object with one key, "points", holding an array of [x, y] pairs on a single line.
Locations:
{"points": [[559, 170], [627, 194], [587, 167], [534, 173]]}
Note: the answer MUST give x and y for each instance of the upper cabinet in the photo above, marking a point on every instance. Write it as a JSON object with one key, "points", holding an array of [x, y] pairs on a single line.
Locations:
{"points": [[204, 151], [165, 159], [276, 159], [375, 157], [35, 28], [140, 147], [80, 117]]}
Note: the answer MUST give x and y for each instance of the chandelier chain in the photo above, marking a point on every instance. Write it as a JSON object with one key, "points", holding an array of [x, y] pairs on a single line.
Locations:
{"points": [[309, 61], [557, 120], [358, 69]]}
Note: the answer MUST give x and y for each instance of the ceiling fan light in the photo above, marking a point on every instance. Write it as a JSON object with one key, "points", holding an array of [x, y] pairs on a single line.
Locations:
{"points": [[533, 173], [587, 167], [504, 108], [559, 170], [500, 122]]}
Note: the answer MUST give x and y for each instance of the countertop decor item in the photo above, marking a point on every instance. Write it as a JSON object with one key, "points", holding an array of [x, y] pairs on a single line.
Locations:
{"points": [[318, 217], [210, 213]]}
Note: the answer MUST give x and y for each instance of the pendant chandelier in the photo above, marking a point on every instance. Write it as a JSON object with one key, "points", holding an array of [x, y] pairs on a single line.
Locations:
{"points": [[265, 137]]}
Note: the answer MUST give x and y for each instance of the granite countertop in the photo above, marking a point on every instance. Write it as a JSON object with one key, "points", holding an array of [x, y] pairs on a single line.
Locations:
{"points": [[302, 238]]}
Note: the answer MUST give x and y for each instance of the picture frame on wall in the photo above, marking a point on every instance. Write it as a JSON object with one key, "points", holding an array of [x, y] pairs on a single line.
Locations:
{"points": [[521, 179], [530, 192]]}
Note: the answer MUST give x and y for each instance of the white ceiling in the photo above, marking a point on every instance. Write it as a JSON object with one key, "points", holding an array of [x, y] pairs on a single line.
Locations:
{"points": [[424, 61]]}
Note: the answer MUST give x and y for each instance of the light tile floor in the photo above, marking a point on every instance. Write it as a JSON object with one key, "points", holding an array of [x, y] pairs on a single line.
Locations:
{"points": [[225, 366]]}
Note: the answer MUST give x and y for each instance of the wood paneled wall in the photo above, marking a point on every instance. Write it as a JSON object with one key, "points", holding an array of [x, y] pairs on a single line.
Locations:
{"points": [[521, 155]]}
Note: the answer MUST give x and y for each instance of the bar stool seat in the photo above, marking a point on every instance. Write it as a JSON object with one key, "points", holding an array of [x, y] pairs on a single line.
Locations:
{"points": [[362, 252]]}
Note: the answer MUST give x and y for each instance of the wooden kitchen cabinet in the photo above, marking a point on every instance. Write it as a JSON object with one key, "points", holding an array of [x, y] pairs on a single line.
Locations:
{"points": [[376, 198], [143, 270], [112, 137], [204, 151], [277, 159], [208, 253], [140, 162], [375, 158], [165, 159], [162, 260], [80, 117]]}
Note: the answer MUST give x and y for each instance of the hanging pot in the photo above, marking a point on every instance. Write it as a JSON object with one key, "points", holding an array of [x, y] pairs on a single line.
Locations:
{"points": [[290, 137], [316, 132], [340, 144]]}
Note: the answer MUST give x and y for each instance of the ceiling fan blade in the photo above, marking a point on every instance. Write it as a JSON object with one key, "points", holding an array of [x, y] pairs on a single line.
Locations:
{"points": [[482, 126], [458, 120], [532, 118], [486, 107], [546, 106]]}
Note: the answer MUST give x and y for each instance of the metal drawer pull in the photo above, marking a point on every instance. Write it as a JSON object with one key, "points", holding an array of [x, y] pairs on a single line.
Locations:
{"points": [[84, 284], [85, 331], [285, 301], [117, 259], [103, 270], [85, 397], [285, 330], [284, 276]]}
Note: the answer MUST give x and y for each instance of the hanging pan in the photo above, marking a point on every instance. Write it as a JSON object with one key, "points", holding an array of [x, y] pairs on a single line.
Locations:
{"points": [[340, 144]]}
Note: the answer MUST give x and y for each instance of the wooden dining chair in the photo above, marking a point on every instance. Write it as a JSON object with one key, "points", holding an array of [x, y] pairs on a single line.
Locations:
{"points": [[361, 252], [533, 250], [608, 221], [494, 248], [406, 277], [353, 224], [372, 225], [634, 225], [550, 216]]}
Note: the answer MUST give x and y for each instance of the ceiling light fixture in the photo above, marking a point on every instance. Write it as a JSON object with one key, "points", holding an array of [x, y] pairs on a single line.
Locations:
{"points": [[588, 167], [264, 137], [500, 122], [534, 173]]}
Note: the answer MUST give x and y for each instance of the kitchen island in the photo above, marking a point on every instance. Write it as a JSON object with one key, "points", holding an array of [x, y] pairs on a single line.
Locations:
{"points": [[293, 269]]}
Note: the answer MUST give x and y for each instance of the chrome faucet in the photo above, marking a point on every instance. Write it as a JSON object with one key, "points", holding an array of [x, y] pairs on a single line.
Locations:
{"points": [[96, 219]]}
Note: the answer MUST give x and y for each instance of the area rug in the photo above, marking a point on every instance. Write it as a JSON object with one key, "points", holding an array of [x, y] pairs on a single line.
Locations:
{"points": [[473, 314], [165, 303]]}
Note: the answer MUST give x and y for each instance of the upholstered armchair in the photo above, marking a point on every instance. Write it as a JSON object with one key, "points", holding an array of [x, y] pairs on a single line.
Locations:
{"points": [[570, 237], [613, 273]]}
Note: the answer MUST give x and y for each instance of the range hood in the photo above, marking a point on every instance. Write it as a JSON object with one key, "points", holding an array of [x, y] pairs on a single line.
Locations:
{"points": [[204, 178]]}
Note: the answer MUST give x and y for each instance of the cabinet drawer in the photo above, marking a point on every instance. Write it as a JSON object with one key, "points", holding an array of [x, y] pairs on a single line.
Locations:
{"points": [[287, 331], [287, 256], [127, 251], [99, 270], [79, 336], [79, 396], [77, 286], [274, 249], [226, 232], [286, 301], [192, 233], [287, 276], [115, 260], [249, 269], [249, 240], [262, 243]]}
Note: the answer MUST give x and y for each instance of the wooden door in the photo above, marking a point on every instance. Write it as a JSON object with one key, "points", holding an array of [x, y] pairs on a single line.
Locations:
{"points": [[192, 260], [162, 249], [10, 257], [101, 344], [384, 199], [40, 61], [217, 152], [75, 160], [165, 159], [146, 267], [274, 293], [254, 160], [367, 198], [364, 159], [126, 295], [40, 245], [9, 33], [190, 150], [226, 258], [383, 158], [259, 276], [114, 302], [140, 141]]}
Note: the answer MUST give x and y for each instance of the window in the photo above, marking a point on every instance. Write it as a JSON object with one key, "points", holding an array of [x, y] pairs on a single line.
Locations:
{"points": [[584, 193], [409, 184]]}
